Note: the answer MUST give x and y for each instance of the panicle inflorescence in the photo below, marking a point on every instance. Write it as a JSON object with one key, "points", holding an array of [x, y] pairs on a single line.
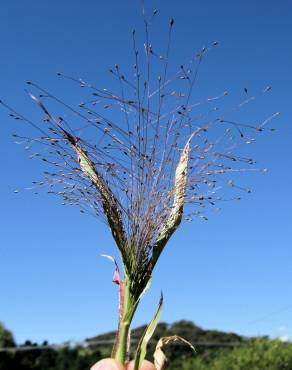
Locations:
{"points": [[145, 154]]}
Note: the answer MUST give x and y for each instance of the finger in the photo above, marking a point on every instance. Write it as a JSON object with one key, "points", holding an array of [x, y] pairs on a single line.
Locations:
{"points": [[146, 365], [108, 364]]}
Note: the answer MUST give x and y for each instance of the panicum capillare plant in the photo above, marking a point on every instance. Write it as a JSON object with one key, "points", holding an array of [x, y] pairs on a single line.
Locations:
{"points": [[142, 157]]}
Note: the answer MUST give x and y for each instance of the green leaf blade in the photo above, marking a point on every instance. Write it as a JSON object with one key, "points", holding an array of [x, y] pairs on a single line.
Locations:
{"points": [[142, 346]]}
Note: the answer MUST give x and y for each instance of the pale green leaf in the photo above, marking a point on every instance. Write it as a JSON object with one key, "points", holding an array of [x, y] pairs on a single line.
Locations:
{"points": [[142, 346], [111, 206], [178, 193]]}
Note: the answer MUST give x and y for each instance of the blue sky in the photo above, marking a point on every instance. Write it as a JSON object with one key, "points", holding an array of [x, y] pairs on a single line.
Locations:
{"points": [[231, 273]]}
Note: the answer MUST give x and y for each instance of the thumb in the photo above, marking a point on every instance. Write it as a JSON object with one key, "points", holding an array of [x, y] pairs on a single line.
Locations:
{"points": [[146, 365], [107, 364]]}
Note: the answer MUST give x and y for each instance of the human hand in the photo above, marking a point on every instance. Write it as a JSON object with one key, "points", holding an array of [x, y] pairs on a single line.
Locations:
{"points": [[110, 364]]}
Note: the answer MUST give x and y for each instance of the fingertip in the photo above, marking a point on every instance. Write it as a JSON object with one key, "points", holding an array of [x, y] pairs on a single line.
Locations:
{"points": [[107, 364], [146, 365]]}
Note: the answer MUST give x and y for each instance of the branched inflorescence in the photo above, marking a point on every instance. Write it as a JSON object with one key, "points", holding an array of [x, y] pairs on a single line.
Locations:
{"points": [[144, 156], [149, 151]]}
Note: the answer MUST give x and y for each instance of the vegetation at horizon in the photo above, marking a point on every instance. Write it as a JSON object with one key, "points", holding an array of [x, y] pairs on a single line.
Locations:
{"points": [[215, 350]]}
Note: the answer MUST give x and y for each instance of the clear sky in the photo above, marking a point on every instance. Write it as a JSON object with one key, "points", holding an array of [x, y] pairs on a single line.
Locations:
{"points": [[231, 273]]}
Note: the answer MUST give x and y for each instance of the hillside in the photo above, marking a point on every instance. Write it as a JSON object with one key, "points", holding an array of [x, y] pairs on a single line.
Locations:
{"points": [[202, 339], [215, 350]]}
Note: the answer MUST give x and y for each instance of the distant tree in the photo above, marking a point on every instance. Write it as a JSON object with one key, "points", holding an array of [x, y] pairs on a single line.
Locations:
{"points": [[47, 360], [67, 359], [260, 354], [6, 337], [7, 361]]}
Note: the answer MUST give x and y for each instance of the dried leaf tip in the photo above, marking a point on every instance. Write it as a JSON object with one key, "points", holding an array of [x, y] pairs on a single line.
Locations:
{"points": [[160, 360]]}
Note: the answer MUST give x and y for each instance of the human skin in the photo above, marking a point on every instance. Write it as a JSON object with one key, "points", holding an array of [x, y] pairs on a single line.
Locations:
{"points": [[110, 364]]}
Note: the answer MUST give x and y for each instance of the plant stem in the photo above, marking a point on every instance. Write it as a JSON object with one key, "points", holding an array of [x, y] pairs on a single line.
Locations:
{"points": [[120, 349]]}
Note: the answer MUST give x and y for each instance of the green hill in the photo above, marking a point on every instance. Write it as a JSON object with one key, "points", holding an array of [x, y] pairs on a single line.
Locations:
{"points": [[215, 350], [203, 340]]}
